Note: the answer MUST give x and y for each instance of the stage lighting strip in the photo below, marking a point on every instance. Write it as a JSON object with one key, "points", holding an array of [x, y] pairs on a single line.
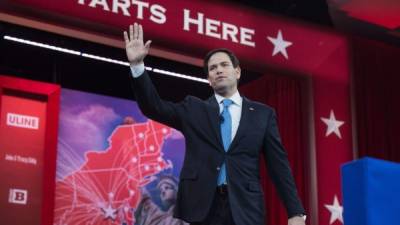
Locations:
{"points": [[100, 58]]}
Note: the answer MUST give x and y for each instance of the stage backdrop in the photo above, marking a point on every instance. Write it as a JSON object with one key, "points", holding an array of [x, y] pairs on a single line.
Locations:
{"points": [[109, 157]]}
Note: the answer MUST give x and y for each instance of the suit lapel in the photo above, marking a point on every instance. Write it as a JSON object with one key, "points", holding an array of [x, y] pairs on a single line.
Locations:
{"points": [[213, 116], [243, 123]]}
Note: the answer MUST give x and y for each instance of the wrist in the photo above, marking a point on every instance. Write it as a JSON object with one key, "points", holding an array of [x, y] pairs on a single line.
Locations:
{"points": [[137, 70], [300, 215], [136, 63]]}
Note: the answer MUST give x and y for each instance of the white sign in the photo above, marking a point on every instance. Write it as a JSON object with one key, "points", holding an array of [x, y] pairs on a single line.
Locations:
{"points": [[18, 196], [23, 121]]}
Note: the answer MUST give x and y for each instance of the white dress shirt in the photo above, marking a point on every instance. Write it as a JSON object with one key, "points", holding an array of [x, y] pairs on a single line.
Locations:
{"points": [[235, 110], [137, 70]]}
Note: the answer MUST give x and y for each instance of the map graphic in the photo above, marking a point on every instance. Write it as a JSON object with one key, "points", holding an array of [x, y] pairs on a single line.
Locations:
{"points": [[104, 187]]}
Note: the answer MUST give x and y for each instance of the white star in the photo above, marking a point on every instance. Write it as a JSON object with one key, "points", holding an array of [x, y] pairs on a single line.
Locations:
{"points": [[109, 212], [336, 211], [280, 45], [333, 125]]}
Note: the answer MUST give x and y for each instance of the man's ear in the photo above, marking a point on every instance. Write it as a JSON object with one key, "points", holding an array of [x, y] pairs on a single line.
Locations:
{"points": [[238, 72]]}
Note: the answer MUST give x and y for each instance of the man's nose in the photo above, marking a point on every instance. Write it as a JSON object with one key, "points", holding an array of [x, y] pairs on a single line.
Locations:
{"points": [[219, 70]]}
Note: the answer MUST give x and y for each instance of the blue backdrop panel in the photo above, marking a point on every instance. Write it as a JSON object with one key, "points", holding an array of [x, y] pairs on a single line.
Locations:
{"points": [[371, 192]]}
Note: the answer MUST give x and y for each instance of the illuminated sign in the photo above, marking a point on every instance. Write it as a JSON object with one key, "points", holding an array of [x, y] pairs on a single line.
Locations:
{"points": [[23, 121]]}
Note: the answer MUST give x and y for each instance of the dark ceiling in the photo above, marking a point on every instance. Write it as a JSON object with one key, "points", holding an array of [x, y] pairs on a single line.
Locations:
{"points": [[314, 11]]}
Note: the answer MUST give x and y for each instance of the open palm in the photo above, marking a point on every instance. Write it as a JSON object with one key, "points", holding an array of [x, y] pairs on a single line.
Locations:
{"points": [[136, 50]]}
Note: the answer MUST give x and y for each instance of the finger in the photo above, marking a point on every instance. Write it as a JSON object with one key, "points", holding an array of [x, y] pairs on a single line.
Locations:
{"points": [[131, 32], [135, 31], [147, 45], [140, 33], [126, 37]]}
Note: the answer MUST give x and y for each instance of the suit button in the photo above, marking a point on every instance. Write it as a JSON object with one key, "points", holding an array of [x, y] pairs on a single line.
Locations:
{"points": [[218, 168]]}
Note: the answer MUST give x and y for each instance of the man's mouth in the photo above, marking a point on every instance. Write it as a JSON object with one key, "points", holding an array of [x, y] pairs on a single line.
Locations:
{"points": [[220, 78]]}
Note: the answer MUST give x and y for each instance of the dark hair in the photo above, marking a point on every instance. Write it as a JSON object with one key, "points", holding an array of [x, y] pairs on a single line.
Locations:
{"points": [[231, 55]]}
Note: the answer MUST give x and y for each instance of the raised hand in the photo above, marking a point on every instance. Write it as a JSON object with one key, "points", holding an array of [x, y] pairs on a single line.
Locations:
{"points": [[136, 51]]}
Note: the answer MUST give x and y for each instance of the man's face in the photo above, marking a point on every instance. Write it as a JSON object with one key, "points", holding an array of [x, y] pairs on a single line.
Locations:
{"points": [[221, 73], [167, 193]]}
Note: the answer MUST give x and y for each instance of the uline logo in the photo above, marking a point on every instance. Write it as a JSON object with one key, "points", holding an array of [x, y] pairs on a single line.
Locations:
{"points": [[22, 121], [18, 196]]}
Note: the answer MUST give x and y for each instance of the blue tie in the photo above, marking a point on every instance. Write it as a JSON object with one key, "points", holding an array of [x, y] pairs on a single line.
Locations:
{"points": [[226, 133]]}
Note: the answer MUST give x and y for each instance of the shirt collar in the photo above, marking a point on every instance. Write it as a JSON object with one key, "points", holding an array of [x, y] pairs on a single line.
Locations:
{"points": [[236, 98]]}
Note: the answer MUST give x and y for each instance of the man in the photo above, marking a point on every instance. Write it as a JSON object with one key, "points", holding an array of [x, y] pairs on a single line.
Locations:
{"points": [[225, 136], [148, 213]]}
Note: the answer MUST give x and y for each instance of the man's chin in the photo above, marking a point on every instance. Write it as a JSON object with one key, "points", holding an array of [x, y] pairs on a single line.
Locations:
{"points": [[221, 88]]}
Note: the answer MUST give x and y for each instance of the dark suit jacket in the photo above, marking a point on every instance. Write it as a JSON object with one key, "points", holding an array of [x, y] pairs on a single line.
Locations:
{"points": [[198, 120]]}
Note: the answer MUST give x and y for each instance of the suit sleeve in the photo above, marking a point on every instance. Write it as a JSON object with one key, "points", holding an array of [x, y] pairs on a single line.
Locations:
{"points": [[154, 107], [279, 168]]}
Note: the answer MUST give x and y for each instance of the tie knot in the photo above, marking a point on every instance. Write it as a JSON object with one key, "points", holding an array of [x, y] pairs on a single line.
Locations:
{"points": [[227, 102]]}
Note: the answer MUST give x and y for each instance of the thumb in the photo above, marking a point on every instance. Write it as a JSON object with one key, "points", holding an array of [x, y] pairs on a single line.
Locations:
{"points": [[147, 45]]}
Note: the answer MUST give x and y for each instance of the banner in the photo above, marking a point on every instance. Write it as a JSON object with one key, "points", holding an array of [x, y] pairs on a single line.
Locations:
{"points": [[114, 165], [28, 128], [22, 130], [192, 28]]}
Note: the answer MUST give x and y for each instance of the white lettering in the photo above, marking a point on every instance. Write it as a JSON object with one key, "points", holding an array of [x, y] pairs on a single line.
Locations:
{"points": [[212, 28], [10, 158], [103, 3], [22, 121], [246, 36], [21, 159], [187, 21], [140, 6], [205, 26], [158, 14], [26, 160], [155, 12], [124, 5], [229, 30]]}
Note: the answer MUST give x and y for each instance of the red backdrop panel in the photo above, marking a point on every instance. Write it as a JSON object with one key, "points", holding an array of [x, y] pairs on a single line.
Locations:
{"points": [[28, 133]]}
